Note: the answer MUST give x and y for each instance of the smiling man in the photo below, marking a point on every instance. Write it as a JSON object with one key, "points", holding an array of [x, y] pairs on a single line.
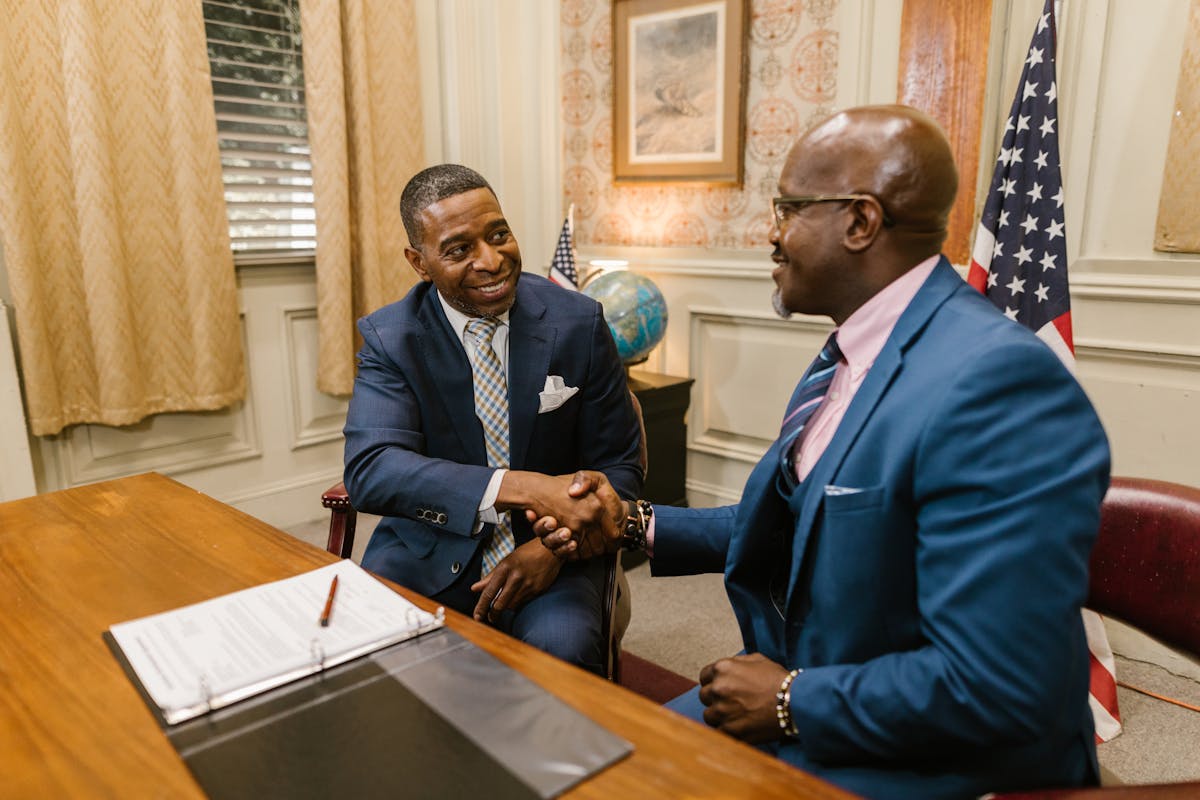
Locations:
{"points": [[908, 559], [457, 418]]}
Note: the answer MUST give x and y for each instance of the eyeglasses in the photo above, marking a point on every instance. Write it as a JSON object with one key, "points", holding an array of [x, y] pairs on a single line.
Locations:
{"points": [[791, 204]]}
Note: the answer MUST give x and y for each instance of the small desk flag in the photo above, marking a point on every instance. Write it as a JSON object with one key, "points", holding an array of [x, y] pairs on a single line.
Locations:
{"points": [[562, 266]]}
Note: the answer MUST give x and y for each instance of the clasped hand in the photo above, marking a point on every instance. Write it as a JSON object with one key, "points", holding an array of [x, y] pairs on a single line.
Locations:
{"points": [[589, 523]]}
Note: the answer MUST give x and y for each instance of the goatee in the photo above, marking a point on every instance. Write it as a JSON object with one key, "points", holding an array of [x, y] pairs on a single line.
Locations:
{"points": [[777, 304]]}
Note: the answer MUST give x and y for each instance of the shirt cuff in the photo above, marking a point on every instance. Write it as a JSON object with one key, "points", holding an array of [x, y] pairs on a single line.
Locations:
{"points": [[650, 537], [487, 513], [487, 504]]}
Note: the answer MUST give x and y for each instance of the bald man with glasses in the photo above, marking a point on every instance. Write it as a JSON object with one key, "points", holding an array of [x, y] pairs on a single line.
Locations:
{"points": [[908, 559]]}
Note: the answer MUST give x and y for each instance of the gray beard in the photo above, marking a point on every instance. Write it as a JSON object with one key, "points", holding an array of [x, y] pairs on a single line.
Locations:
{"points": [[777, 304]]}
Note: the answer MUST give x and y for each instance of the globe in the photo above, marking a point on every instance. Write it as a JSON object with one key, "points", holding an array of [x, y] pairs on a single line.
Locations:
{"points": [[635, 311]]}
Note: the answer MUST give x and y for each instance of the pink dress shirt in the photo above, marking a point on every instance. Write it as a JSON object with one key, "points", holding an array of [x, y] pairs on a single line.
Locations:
{"points": [[860, 338]]}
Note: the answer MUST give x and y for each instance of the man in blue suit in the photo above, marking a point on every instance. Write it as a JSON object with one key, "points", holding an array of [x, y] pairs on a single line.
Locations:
{"points": [[448, 431], [908, 567]]}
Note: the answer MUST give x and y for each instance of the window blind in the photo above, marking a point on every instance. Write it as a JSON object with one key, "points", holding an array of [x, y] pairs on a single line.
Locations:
{"points": [[258, 88]]}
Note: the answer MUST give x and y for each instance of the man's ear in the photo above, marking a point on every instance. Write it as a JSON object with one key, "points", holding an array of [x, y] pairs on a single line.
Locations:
{"points": [[866, 220], [417, 262]]}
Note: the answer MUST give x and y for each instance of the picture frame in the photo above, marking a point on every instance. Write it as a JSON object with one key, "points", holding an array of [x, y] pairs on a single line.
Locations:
{"points": [[679, 78]]}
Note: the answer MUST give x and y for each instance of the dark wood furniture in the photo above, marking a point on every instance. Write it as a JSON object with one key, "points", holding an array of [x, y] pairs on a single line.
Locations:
{"points": [[73, 725], [665, 400]]}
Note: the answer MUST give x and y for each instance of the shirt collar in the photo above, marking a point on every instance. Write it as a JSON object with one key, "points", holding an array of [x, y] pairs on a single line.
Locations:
{"points": [[458, 320], [864, 332]]}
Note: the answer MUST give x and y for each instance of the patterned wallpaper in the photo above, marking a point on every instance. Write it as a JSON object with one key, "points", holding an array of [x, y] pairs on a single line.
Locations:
{"points": [[791, 83]]}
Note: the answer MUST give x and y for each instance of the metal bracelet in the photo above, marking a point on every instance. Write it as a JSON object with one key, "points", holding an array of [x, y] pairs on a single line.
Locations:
{"points": [[783, 704]]}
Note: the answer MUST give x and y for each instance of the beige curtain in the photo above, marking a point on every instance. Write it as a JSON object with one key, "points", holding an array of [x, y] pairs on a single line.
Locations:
{"points": [[1178, 228], [363, 96], [112, 213]]}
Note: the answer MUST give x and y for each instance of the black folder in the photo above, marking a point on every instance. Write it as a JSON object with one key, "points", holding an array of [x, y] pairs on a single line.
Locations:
{"points": [[432, 717]]}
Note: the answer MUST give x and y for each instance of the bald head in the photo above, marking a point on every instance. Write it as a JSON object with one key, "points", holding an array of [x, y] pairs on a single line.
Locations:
{"points": [[865, 197], [896, 153]]}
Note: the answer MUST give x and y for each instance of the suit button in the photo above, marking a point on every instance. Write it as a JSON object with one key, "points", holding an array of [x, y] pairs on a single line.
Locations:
{"points": [[441, 518], [455, 567]]}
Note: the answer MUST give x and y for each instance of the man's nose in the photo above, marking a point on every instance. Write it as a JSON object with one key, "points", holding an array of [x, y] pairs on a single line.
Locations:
{"points": [[489, 259]]}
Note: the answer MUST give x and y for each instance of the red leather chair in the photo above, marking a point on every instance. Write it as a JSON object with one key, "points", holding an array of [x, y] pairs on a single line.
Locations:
{"points": [[1145, 567], [615, 617], [1145, 571]]}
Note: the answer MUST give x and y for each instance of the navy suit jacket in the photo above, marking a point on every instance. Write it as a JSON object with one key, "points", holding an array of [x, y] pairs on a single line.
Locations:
{"points": [[414, 447], [939, 560]]}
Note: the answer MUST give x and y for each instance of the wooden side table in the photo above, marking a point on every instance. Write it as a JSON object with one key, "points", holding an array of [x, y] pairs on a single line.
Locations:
{"points": [[665, 400]]}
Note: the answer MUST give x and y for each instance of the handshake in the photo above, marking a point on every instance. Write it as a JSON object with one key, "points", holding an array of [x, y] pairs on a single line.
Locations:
{"points": [[576, 516]]}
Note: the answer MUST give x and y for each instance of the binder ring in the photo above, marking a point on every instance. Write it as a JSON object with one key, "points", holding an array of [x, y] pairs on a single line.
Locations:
{"points": [[206, 692], [318, 655]]}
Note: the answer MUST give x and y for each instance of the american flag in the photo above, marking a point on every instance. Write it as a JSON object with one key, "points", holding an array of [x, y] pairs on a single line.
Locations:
{"points": [[1019, 262], [562, 266]]}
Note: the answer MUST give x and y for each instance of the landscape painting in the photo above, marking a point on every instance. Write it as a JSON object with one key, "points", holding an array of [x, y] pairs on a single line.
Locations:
{"points": [[678, 90]]}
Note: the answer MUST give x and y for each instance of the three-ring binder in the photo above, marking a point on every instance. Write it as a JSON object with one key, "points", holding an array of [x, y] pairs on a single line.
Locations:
{"points": [[194, 660]]}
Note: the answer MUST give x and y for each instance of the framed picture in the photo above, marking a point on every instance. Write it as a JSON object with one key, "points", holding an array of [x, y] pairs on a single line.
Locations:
{"points": [[679, 81]]}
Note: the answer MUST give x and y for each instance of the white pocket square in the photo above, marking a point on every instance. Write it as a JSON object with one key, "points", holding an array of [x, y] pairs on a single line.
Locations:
{"points": [[838, 491], [554, 394]]}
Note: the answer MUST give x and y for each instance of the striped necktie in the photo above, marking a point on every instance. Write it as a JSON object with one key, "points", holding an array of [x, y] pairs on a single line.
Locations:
{"points": [[805, 401], [491, 406]]}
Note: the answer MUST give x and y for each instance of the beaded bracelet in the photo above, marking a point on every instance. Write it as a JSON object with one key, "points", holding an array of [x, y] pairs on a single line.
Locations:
{"points": [[637, 520], [783, 704]]}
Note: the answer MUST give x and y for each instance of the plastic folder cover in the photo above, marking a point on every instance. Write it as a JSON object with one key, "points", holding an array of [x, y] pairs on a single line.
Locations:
{"points": [[432, 717]]}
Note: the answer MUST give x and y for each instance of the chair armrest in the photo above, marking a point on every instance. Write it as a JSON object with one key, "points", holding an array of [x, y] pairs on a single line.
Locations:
{"points": [[342, 520]]}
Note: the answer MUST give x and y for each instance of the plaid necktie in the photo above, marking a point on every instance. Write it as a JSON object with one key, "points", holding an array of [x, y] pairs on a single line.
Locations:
{"points": [[805, 400], [491, 406]]}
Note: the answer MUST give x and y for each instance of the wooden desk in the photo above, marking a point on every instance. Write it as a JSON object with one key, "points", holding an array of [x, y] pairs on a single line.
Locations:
{"points": [[72, 563]]}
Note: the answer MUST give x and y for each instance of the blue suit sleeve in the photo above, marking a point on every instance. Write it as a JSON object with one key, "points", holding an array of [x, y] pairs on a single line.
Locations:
{"points": [[1004, 529], [691, 541], [386, 471]]}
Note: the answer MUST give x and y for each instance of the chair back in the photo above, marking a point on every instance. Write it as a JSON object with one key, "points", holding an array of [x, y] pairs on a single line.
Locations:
{"points": [[1145, 567]]}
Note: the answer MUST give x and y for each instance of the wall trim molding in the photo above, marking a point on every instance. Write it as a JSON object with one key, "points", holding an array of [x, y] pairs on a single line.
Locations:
{"points": [[698, 313], [319, 429], [728, 444], [687, 261], [322, 478], [1158, 354], [722, 494], [729, 448]]}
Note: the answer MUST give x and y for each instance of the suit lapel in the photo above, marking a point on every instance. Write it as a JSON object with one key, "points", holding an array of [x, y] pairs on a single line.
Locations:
{"points": [[446, 361], [530, 345], [942, 282]]}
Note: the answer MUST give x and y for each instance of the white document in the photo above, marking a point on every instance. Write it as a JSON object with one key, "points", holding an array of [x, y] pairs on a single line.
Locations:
{"points": [[204, 656]]}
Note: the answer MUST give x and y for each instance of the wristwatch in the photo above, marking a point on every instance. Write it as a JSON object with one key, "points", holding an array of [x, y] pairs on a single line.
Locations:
{"points": [[637, 519]]}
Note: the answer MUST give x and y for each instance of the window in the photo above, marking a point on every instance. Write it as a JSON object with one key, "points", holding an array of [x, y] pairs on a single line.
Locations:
{"points": [[258, 87]]}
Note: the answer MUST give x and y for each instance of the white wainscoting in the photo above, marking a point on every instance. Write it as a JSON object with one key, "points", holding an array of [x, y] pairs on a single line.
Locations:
{"points": [[315, 417], [271, 455], [16, 466]]}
